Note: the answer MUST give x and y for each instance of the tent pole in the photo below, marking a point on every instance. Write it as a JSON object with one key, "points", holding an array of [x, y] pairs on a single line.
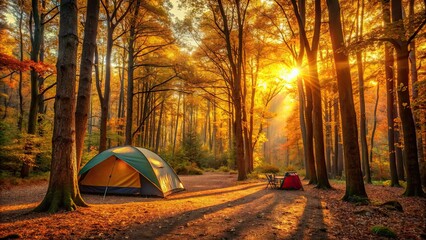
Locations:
{"points": [[109, 179]]}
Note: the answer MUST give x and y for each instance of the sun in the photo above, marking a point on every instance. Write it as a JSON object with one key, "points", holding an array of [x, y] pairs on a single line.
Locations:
{"points": [[289, 75], [294, 73]]}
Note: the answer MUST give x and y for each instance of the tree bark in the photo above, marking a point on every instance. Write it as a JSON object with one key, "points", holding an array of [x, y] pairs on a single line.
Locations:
{"points": [[354, 183], [318, 133], [235, 58], [336, 171], [112, 22], [85, 83], [310, 136], [414, 186], [398, 143], [157, 140], [176, 126], [63, 192], [21, 58], [374, 125], [328, 141], [390, 99], [130, 73], [415, 86], [302, 107], [35, 50], [362, 119]]}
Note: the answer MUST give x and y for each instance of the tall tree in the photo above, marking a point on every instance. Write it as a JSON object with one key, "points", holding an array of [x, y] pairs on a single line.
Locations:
{"points": [[35, 31], [312, 53], [36, 38], [113, 18], [304, 93], [63, 192], [414, 186], [354, 183], [362, 118], [130, 73], [21, 57], [415, 95], [390, 98], [85, 83]]}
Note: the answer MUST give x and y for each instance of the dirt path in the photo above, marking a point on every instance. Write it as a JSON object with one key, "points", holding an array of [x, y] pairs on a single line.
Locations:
{"points": [[213, 207], [245, 212]]}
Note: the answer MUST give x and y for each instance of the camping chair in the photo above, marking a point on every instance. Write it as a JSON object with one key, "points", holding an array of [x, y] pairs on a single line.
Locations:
{"points": [[271, 180]]}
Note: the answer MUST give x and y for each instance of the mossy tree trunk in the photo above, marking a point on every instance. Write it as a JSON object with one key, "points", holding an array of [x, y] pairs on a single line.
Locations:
{"points": [[63, 192]]}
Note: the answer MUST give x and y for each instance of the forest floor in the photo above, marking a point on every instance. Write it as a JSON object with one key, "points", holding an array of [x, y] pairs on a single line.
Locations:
{"points": [[216, 206]]}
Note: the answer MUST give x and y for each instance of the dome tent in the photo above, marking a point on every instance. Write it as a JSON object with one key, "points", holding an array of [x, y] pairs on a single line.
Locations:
{"points": [[129, 170]]}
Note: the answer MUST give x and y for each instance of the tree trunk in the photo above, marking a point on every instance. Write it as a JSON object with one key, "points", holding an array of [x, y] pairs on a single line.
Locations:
{"points": [[21, 58], [107, 92], [112, 22], [336, 171], [85, 83], [414, 186], [398, 143], [328, 140], [40, 79], [374, 124], [354, 183], [390, 99], [176, 126], [157, 140], [416, 110], [302, 110], [35, 50], [130, 72], [310, 136], [314, 105], [235, 59], [362, 119], [63, 192], [318, 125]]}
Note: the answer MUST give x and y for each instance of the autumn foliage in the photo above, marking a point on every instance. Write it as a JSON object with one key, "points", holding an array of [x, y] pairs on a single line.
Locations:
{"points": [[10, 63]]}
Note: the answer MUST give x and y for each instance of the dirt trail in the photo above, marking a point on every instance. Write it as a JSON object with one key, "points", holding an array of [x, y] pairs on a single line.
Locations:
{"points": [[244, 212], [213, 207]]}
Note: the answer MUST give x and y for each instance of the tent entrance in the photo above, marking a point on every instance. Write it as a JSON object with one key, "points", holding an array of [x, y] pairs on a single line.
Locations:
{"points": [[122, 175]]}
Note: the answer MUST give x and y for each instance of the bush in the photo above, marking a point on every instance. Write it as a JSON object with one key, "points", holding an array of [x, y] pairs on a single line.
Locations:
{"points": [[224, 169], [211, 161], [192, 148], [383, 231], [185, 169], [290, 168], [268, 169]]}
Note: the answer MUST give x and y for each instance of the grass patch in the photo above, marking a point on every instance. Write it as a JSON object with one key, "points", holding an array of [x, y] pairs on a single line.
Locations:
{"points": [[383, 231], [387, 183]]}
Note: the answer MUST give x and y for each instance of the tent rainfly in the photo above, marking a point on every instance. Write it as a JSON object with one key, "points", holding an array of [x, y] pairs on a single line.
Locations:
{"points": [[131, 171]]}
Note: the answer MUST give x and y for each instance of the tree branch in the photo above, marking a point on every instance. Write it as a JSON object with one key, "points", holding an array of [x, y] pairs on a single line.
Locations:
{"points": [[47, 89]]}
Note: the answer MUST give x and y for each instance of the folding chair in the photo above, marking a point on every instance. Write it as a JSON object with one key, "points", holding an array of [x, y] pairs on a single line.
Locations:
{"points": [[272, 183]]}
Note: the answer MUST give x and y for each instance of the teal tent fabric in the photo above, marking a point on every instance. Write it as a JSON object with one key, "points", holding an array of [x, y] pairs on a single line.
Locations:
{"points": [[148, 164]]}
